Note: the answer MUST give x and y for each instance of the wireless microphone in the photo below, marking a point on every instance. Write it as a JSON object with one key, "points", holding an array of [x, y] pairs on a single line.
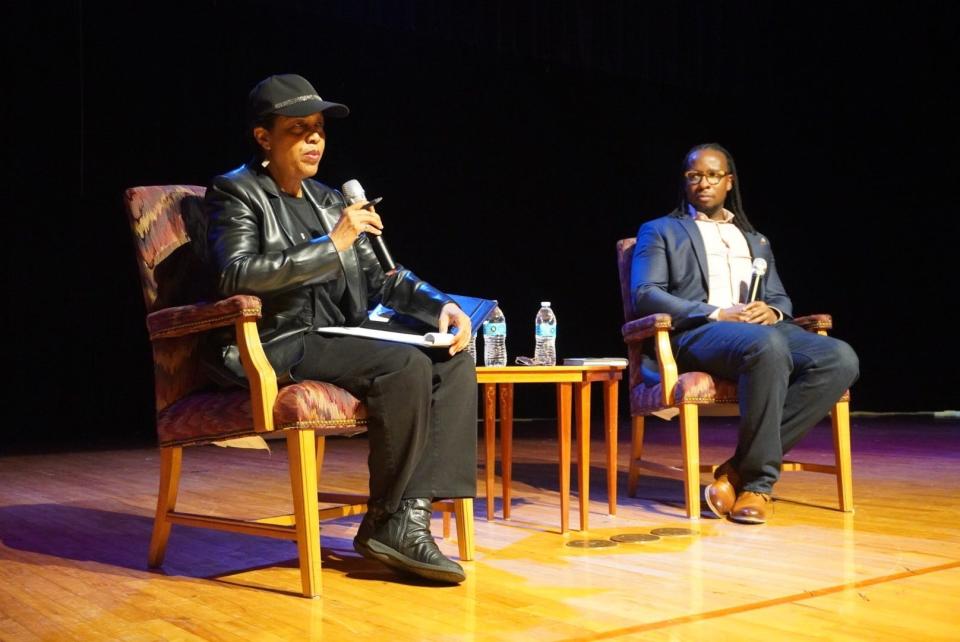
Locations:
{"points": [[759, 269], [353, 192]]}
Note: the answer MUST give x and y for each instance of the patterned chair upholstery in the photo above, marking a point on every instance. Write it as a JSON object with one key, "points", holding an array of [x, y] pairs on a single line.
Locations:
{"points": [[665, 392], [194, 409]]}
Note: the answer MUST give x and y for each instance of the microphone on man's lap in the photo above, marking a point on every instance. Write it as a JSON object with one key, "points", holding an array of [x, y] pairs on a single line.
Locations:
{"points": [[353, 192], [759, 269]]}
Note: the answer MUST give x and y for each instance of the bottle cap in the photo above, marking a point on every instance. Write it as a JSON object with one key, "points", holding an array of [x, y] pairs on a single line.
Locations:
{"points": [[545, 304]]}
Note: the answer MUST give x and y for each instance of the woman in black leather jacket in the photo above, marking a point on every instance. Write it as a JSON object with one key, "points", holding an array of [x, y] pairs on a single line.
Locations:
{"points": [[292, 241]]}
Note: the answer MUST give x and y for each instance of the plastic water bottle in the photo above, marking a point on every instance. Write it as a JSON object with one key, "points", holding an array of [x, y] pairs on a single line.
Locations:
{"points": [[495, 339], [472, 348], [545, 353]]}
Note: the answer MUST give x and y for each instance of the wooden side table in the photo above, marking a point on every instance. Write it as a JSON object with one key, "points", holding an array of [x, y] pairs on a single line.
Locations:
{"points": [[571, 381]]}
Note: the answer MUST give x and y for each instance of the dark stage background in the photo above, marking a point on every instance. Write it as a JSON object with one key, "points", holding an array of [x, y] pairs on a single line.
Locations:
{"points": [[513, 142]]}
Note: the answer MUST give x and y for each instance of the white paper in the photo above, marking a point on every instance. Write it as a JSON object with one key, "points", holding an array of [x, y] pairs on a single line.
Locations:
{"points": [[594, 361], [428, 340]]}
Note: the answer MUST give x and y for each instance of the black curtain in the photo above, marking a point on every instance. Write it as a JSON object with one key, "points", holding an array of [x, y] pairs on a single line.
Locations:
{"points": [[513, 143]]}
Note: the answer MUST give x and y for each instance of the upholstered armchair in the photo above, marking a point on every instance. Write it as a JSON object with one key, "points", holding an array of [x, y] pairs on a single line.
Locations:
{"points": [[192, 409], [665, 392]]}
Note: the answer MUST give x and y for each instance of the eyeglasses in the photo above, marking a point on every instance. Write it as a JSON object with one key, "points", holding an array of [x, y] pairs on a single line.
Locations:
{"points": [[713, 178]]}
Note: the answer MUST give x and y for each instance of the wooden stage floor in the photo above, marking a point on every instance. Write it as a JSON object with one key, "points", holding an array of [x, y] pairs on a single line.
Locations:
{"points": [[74, 529]]}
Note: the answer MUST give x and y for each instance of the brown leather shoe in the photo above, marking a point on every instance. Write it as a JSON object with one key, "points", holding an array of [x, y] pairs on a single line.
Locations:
{"points": [[752, 508], [721, 494]]}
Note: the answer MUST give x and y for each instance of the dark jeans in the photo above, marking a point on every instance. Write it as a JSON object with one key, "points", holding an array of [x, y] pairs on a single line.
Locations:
{"points": [[787, 381], [422, 412]]}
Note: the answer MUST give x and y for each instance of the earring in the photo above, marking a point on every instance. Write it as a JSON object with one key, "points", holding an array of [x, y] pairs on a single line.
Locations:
{"points": [[264, 162]]}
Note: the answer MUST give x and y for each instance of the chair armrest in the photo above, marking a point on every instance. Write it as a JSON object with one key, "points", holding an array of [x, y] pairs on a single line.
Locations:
{"points": [[261, 377], [815, 322], [242, 312], [645, 327], [192, 319], [658, 327]]}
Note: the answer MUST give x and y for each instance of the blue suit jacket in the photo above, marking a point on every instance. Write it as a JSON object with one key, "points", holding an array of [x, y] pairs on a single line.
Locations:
{"points": [[669, 272]]}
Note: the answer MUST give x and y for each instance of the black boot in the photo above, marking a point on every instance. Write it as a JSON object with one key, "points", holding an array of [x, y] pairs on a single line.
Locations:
{"points": [[372, 519], [402, 541]]}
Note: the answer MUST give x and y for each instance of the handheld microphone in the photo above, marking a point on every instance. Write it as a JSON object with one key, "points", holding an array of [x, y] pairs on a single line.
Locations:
{"points": [[353, 192], [759, 269]]}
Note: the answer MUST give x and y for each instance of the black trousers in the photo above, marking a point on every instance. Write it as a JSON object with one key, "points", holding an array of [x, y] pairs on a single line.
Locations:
{"points": [[422, 412], [787, 381]]}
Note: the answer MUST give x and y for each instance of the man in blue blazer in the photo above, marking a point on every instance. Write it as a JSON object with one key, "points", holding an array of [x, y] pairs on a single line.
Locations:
{"points": [[696, 265]]}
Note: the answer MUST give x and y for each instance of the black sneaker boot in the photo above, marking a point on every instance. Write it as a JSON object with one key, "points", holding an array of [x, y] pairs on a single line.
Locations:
{"points": [[372, 519], [403, 542]]}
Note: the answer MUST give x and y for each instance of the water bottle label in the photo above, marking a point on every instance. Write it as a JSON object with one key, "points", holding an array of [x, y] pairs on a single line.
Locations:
{"points": [[494, 329], [547, 330]]}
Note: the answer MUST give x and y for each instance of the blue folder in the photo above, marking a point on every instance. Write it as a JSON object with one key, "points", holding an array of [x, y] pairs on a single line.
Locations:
{"points": [[383, 318]]}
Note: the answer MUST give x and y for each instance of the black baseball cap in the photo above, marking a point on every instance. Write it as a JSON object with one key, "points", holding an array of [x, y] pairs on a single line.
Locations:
{"points": [[289, 95]]}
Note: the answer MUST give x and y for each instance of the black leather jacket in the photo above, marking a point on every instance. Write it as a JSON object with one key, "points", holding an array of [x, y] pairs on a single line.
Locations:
{"points": [[256, 248]]}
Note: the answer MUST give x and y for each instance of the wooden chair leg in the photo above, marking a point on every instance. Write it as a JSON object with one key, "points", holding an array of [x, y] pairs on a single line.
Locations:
{"points": [[636, 452], [690, 442], [463, 508], [445, 517], [302, 455], [170, 460], [321, 449], [840, 417]]}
